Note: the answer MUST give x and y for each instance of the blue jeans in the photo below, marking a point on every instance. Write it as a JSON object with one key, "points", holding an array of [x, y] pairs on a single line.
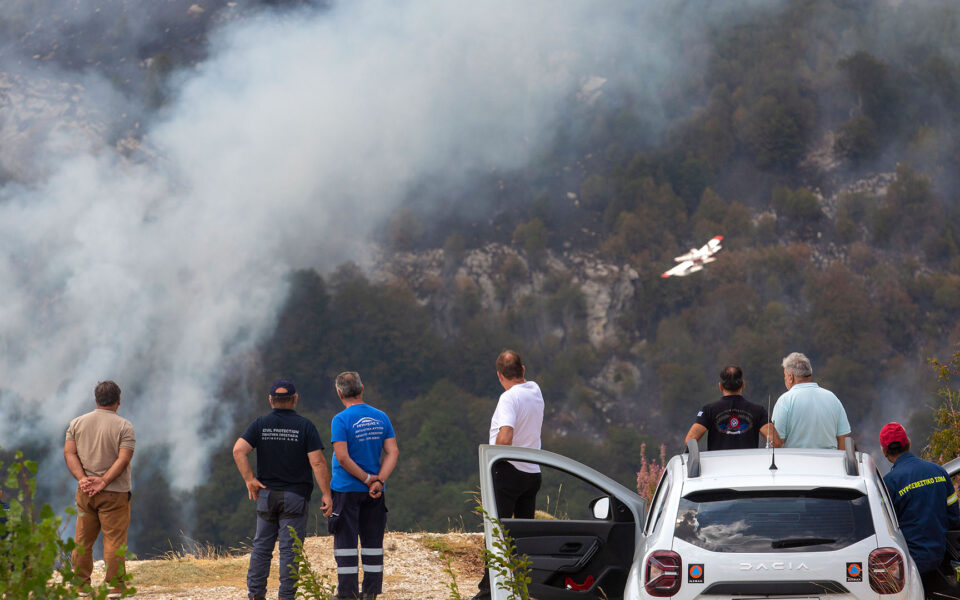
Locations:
{"points": [[276, 511]]}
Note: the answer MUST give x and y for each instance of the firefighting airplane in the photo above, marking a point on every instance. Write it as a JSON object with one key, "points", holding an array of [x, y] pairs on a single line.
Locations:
{"points": [[693, 261]]}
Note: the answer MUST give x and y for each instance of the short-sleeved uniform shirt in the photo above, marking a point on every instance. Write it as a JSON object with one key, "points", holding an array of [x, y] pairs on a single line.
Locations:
{"points": [[364, 429], [732, 422], [99, 435], [809, 416], [282, 439], [926, 507], [520, 407]]}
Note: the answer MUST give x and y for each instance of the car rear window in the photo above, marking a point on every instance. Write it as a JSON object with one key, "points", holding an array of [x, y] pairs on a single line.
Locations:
{"points": [[816, 520]]}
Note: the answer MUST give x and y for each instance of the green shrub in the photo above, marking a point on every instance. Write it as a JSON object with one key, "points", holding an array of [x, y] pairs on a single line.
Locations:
{"points": [[36, 559], [452, 585], [800, 204], [944, 442], [513, 568], [310, 585], [857, 139], [532, 237]]}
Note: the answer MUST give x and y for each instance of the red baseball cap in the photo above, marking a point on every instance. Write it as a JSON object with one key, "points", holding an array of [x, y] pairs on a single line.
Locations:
{"points": [[893, 432]]}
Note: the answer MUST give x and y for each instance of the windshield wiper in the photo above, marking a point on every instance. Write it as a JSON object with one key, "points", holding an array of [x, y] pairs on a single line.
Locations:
{"points": [[799, 542]]}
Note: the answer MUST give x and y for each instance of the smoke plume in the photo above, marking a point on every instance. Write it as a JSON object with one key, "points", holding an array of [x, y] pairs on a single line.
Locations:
{"points": [[286, 147]]}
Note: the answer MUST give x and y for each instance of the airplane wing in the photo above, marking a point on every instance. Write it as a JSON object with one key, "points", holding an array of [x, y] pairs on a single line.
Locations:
{"points": [[679, 270], [711, 247], [688, 256], [708, 249], [694, 260]]}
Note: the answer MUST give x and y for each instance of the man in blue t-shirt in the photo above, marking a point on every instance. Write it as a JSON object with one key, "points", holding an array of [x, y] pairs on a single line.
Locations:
{"points": [[289, 457], [361, 434]]}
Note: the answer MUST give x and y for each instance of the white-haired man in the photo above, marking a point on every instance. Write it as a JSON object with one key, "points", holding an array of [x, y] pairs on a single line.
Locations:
{"points": [[806, 415]]}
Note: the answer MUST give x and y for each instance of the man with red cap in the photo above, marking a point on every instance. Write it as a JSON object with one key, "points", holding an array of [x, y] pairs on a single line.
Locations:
{"points": [[924, 500]]}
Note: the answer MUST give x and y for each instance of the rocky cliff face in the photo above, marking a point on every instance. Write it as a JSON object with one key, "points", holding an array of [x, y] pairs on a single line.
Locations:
{"points": [[503, 279], [34, 111]]}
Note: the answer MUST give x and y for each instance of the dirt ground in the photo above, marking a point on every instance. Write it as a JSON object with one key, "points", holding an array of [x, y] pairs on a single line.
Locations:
{"points": [[414, 566]]}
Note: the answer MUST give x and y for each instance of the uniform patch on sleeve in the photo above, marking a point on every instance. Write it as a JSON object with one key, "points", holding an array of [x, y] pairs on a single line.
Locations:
{"points": [[921, 483]]}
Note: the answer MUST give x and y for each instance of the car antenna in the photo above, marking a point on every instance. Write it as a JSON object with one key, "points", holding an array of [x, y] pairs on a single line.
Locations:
{"points": [[770, 444]]}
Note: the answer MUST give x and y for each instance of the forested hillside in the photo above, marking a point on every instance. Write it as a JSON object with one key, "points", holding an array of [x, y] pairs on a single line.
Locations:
{"points": [[824, 151], [821, 138]]}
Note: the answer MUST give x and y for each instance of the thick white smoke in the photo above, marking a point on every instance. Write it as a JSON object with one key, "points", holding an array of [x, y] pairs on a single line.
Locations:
{"points": [[285, 149]]}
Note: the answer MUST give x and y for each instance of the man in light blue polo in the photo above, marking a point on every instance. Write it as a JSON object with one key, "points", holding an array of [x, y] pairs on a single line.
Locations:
{"points": [[807, 415]]}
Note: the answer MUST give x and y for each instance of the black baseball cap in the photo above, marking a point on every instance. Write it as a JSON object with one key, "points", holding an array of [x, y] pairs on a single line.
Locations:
{"points": [[283, 388]]}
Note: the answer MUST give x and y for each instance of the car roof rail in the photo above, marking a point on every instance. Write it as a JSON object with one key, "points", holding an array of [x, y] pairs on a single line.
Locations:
{"points": [[850, 457], [693, 462]]}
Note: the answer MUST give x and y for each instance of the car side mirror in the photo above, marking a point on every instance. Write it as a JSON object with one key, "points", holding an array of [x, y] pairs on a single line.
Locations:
{"points": [[600, 507]]}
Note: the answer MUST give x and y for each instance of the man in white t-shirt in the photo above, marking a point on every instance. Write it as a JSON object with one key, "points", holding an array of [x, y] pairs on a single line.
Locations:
{"points": [[517, 421]]}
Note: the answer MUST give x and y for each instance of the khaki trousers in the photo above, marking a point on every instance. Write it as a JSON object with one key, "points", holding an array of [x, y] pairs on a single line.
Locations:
{"points": [[108, 512]]}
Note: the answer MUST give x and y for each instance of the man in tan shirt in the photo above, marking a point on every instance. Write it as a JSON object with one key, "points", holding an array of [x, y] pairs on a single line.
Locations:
{"points": [[98, 449]]}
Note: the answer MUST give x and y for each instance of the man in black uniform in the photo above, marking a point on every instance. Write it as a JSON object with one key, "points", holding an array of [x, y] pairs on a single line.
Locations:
{"points": [[289, 451], [733, 421]]}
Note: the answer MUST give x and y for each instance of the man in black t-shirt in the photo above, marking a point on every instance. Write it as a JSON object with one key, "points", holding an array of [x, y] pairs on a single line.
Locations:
{"points": [[289, 456], [733, 421]]}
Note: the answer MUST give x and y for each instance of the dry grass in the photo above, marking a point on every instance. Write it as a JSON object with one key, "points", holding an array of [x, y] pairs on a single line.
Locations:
{"points": [[192, 565], [203, 550], [462, 553], [188, 572], [465, 552], [413, 569], [456, 546]]}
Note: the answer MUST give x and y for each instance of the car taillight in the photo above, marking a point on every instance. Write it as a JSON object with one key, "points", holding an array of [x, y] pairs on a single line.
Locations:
{"points": [[663, 573], [886, 571]]}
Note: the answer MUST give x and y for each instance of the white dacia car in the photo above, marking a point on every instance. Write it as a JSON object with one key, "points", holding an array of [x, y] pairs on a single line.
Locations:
{"points": [[732, 524]]}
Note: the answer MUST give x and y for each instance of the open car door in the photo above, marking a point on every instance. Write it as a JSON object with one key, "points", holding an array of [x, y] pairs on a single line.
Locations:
{"points": [[953, 467], [953, 536], [570, 558]]}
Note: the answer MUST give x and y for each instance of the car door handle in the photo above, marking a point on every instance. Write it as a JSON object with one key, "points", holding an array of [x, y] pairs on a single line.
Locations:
{"points": [[584, 559], [571, 548]]}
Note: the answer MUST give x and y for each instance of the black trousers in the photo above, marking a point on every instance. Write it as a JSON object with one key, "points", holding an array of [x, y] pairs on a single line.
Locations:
{"points": [[515, 492], [357, 515], [938, 587]]}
